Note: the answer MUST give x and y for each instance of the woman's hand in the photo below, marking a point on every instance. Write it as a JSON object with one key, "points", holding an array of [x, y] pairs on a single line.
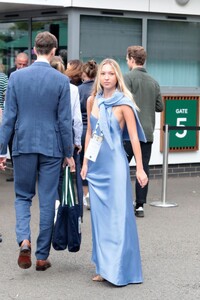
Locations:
{"points": [[142, 178], [84, 171]]}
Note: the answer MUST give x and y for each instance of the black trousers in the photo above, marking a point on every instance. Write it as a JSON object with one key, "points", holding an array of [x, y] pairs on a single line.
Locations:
{"points": [[140, 193]]}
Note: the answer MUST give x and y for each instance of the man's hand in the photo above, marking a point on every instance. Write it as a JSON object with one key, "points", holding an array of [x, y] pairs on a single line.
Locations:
{"points": [[3, 163], [69, 161], [79, 147]]}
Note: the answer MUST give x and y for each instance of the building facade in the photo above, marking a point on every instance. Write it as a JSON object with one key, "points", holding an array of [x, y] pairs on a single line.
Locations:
{"points": [[169, 31]]}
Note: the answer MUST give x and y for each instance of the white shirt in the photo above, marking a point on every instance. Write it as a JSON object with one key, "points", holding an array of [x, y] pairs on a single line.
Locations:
{"points": [[76, 114]]}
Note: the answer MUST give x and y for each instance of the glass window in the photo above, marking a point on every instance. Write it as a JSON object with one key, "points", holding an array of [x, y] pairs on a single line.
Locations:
{"points": [[13, 39], [56, 27], [102, 37], [173, 52]]}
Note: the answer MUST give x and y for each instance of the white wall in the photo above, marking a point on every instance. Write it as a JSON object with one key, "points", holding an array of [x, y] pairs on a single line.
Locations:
{"points": [[41, 2], [133, 5], [157, 6], [171, 6]]}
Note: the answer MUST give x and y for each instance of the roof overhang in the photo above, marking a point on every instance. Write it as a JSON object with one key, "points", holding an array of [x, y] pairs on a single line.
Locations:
{"points": [[14, 6]]}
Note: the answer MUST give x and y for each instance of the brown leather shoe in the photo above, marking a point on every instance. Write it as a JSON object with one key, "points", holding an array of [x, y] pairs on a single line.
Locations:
{"points": [[24, 259], [42, 265]]}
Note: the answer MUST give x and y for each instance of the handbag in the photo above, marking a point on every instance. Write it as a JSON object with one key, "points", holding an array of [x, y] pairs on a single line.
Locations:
{"points": [[67, 226]]}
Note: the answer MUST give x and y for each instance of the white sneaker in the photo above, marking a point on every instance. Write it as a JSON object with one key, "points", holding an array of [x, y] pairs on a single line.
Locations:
{"points": [[87, 198], [139, 212], [86, 201]]}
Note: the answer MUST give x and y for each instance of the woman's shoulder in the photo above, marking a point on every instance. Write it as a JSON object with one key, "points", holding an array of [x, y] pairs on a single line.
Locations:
{"points": [[91, 100]]}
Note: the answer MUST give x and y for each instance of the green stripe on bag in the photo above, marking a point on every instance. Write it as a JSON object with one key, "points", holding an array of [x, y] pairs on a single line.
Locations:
{"points": [[68, 192]]}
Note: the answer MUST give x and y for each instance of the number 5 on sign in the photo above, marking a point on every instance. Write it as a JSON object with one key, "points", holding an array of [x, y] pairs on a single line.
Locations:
{"points": [[179, 122], [182, 113]]}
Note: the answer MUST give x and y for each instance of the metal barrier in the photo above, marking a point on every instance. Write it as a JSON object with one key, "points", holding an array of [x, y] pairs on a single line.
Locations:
{"points": [[166, 129]]}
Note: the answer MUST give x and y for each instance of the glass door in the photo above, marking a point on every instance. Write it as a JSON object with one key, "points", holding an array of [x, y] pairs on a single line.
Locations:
{"points": [[13, 39], [58, 27]]}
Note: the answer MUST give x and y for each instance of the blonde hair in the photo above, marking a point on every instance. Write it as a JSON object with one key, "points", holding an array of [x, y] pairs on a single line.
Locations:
{"points": [[97, 87], [57, 63]]}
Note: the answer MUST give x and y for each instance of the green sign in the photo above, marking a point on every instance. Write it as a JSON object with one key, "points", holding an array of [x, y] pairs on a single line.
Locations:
{"points": [[181, 113]]}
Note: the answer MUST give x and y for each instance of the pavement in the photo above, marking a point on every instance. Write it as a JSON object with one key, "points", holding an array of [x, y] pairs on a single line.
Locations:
{"points": [[169, 243]]}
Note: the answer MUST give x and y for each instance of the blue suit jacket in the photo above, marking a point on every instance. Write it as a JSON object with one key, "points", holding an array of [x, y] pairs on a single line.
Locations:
{"points": [[38, 111]]}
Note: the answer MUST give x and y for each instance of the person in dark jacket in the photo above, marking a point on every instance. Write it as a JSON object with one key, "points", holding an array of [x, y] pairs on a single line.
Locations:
{"points": [[21, 61], [147, 95]]}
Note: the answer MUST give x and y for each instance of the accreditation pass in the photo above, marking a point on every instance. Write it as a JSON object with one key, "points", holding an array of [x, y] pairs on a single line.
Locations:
{"points": [[94, 147]]}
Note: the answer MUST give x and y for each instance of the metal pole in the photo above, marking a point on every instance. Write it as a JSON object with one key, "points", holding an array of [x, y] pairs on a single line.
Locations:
{"points": [[165, 165], [163, 203]]}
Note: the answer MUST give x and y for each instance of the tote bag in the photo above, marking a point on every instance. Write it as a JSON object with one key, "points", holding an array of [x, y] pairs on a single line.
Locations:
{"points": [[67, 226]]}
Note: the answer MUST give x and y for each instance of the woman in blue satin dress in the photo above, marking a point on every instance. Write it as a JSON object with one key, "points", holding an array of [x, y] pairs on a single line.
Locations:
{"points": [[111, 116]]}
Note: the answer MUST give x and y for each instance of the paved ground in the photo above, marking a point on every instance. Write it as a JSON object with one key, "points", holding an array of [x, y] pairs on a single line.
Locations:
{"points": [[169, 242]]}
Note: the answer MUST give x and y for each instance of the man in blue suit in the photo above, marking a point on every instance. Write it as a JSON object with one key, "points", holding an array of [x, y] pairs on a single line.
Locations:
{"points": [[38, 111]]}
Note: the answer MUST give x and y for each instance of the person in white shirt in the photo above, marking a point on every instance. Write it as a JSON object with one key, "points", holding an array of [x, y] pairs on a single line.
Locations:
{"points": [[57, 63]]}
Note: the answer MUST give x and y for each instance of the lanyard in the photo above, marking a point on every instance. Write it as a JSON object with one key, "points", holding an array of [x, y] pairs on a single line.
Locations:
{"points": [[96, 128]]}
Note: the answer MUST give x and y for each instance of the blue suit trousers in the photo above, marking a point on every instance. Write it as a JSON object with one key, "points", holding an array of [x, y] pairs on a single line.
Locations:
{"points": [[29, 168]]}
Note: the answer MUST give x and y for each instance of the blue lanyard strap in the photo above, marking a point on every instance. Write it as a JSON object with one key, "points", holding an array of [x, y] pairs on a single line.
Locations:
{"points": [[96, 127]]}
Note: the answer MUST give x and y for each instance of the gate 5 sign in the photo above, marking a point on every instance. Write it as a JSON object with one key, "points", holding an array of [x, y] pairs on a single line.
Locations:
{"points": [[182, 111]]}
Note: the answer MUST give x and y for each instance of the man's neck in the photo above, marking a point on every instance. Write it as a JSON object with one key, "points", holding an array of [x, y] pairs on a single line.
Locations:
{"points": [[137, 66], [43, 58]]}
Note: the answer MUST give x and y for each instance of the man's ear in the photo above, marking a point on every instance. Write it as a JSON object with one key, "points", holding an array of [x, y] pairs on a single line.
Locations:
{"points": [[53, 52], [132, 60], [34, 49]]}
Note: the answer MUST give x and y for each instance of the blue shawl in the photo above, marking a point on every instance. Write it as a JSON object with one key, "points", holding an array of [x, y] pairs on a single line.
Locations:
{"points": [[105, 105]]}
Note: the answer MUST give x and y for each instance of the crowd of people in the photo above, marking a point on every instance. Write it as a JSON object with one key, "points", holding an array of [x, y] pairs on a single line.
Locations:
{"points": [[92, 118]]}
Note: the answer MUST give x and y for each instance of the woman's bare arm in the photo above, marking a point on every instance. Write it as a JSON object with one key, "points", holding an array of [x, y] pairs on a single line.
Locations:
{"points": [[130, 120], [90, 103]]}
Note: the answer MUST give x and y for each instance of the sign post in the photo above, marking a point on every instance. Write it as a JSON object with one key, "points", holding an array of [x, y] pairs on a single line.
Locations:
{"points": [[163, 203], [181, 111]]}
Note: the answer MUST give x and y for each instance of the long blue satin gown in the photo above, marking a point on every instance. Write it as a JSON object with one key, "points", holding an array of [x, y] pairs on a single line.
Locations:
{"points": [[115, 252]]}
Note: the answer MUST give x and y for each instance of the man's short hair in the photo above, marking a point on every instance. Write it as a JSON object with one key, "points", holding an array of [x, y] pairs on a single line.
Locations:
{"points": [[137, 53], [45, 42]]}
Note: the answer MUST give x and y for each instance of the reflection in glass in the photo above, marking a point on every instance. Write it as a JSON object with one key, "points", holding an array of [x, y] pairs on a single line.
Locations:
{"points": [[56, 27], [102, 37], [173, 52], [13, 39]]}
